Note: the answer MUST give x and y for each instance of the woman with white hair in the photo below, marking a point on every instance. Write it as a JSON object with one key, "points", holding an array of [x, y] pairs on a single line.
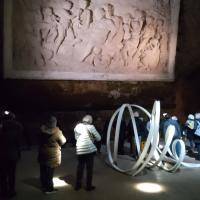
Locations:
{"points": [[85, 135]]}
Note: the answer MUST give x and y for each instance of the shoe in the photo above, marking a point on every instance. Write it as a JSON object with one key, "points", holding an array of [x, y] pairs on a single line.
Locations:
{"points": [[191, 153], [90, 188], [51, 191]]}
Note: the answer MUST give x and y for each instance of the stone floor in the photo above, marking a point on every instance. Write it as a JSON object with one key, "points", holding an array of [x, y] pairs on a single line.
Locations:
{"points": [[110, 184]]}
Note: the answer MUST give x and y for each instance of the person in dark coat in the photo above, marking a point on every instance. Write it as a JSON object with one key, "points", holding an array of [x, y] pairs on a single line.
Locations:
{"points": [[122, 137], [10, 136], [98, 126], [178, 133], [51, 139], [164, 118], [189, 129], [196, 135], [141, 133]]}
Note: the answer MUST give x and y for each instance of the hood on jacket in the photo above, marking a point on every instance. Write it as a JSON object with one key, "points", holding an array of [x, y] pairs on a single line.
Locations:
{"points": [[50, 131], [197, 115], [174, 118], [190, 117], [51, 122]]}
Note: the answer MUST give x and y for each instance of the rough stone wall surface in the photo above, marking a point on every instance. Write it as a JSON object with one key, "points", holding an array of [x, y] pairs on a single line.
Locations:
{"points": [[92, 95], [188, 59]]}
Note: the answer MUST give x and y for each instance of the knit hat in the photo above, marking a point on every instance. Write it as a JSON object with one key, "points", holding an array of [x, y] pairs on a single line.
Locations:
{"points": [[174, 118], [197, 115], [136, 114], [190, 116], [51, 122], [165, 114], [88, 119], [190, 121]]}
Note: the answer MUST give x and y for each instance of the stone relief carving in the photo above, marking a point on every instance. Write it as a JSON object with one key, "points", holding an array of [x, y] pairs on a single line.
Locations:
{"points": [[92, 36]]}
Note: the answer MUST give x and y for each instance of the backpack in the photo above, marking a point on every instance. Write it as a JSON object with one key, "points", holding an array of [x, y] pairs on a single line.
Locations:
{"points": [[197, 131]]}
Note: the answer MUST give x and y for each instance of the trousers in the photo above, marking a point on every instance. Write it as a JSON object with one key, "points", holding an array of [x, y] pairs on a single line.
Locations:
{"points": [[88, 161], [46, 177]]}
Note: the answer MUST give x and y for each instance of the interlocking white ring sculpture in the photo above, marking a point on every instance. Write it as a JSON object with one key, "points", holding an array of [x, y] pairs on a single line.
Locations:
{"points": [[151, 155]]}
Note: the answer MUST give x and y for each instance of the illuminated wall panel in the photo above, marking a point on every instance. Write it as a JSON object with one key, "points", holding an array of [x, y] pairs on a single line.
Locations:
{"points": [[90, 39]]}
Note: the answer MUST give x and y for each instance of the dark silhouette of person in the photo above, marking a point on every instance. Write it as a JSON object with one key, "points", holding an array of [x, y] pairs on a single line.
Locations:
{"points": [[141, 133], [104, 132], [10, 135], [122, 137], [189, 129], [196, 135]]}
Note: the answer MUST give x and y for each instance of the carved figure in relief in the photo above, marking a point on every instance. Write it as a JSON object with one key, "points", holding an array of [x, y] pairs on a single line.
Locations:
{"points": [[117, 21], [85, 14], [147, 34], [96, 59], [113, 44], [127, 36], [162, 35], [127, 26], [48, 30], [83, 18], [64, 25], [81, 23], [150, 55], [100, 31], [133, 27], [149, 30], [37, 35]]}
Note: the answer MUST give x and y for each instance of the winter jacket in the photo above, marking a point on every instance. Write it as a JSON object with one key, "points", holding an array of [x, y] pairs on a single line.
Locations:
{"points": [[51, 140], [85, 134], [189, 128], [190, 123], [10, 135], [177, 134], [196, 137], [189, 132], [141, 128]]}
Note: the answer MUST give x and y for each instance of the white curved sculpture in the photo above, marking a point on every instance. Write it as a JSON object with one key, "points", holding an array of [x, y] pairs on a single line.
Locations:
{"points": [[151, 155]]}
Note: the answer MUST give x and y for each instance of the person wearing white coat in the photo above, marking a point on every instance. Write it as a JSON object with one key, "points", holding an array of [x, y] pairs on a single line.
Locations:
{"points": [[85, 135]]}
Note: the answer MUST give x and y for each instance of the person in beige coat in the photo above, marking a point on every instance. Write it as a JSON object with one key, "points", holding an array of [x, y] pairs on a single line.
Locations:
{"points": [[50, 141]]}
